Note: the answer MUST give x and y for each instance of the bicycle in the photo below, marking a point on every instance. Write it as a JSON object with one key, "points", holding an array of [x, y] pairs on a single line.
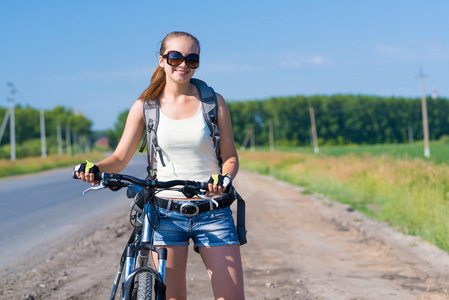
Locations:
{"points": [[141, 280]]}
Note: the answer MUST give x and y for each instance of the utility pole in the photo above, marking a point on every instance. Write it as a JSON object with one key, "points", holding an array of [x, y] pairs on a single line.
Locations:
{"points": [[59, 135], [424, 116], [314, 135], [247, 138], [12, 126], [67, 140], [43, 142], [410, 135], [252, 142], [87, 144], [75, 142], [270, 126]]}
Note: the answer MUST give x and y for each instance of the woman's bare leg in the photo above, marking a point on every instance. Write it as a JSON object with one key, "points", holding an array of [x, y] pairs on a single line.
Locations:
{"points": [[175, 272], [224, 265]]}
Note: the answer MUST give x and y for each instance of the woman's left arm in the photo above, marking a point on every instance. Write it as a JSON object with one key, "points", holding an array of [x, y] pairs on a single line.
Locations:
{"points": [[227, 146]]}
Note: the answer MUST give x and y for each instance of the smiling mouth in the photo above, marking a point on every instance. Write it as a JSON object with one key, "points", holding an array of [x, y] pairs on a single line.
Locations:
{"points": [[182, 71]]}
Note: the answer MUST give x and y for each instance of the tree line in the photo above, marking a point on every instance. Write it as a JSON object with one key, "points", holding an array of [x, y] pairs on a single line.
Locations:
{"points": [[340, 119], [74, 130]]}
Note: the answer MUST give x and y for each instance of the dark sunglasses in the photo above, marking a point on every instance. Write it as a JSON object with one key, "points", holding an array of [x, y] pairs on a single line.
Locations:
{"points": [[174, 59]]}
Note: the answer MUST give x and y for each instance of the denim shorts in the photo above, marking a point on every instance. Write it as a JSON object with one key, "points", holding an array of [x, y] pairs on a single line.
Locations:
{"points": [[211, 228]]}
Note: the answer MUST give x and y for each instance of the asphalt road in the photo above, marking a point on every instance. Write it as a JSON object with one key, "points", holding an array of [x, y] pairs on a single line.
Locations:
{"points": [[36, 210]]}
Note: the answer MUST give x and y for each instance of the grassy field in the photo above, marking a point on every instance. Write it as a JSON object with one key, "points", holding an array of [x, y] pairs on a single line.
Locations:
{"points": [[439, 152], [408, 193], [38, 164]]}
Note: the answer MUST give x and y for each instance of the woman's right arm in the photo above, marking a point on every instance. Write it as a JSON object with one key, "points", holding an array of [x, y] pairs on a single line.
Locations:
{"points": [[135, 125]]}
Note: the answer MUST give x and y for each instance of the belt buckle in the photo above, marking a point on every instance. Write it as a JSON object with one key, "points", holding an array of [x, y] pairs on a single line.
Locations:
{"points": [[189, 209]]}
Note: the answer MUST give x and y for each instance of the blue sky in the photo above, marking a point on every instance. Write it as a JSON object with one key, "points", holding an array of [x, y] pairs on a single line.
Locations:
{"points": [[98, 56]]}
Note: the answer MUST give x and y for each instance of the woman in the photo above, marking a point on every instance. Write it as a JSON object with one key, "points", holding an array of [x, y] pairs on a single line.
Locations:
{"points": [[188, 154]]}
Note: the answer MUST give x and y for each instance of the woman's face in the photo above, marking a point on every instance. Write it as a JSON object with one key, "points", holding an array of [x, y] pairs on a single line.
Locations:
{"points": [[185, 46]]}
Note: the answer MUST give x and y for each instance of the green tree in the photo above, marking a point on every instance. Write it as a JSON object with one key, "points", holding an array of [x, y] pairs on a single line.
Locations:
{"points": [[28, 131], [115, 134]]}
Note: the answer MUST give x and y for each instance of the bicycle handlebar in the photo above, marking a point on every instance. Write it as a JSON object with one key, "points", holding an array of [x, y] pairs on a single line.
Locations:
{"points": [[116, 181]]}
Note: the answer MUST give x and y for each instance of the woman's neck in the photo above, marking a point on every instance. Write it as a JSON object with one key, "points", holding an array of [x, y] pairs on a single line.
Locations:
{"points": [[174, 89]]}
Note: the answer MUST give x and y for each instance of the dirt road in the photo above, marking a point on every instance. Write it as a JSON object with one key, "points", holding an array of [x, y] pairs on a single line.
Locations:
{"points": [[299, 247]]}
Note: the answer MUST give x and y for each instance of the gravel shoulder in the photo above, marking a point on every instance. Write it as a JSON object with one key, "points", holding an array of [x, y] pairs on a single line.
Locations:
{"points": [[299, 247]]}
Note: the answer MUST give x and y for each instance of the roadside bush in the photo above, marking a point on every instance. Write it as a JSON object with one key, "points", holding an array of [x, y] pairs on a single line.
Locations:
{"points": [[444, 139]]}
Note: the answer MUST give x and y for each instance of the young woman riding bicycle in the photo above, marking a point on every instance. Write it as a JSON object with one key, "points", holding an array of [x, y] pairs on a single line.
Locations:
{"points": [[189, 153]]}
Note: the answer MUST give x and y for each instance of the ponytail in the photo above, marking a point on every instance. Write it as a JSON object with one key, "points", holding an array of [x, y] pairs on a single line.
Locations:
{"points": [[156, 87]]}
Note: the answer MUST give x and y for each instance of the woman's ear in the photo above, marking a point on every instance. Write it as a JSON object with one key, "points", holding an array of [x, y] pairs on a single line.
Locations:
{"points": [[161, 61]]}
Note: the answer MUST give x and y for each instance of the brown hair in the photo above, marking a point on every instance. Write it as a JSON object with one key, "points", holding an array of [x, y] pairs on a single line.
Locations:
{"points": [[158, 80]]}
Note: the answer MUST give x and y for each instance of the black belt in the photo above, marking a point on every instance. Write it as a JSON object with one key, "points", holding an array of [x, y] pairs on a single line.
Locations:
{"points": [[190, 209]]}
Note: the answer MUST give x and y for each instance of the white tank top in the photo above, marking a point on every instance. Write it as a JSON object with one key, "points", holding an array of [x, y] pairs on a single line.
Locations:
{"points": [[187, 149]]}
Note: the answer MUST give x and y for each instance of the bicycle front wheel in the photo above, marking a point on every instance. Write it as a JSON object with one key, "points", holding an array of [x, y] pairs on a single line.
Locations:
{"points": [[145, 290]]}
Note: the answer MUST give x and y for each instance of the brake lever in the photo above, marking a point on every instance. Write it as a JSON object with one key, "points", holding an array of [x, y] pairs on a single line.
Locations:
{"points": [[95, 188], [208, 199]]}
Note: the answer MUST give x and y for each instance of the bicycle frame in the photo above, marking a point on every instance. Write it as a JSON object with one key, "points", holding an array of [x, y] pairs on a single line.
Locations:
{"points": [[136, 255], [136, 260]]}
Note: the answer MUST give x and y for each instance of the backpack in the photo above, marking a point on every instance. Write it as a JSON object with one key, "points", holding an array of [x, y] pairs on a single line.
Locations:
{"points": [[209, 110]]}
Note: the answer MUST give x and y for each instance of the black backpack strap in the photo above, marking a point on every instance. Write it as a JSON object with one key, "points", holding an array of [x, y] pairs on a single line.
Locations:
{"points": [[210, 112], [241, 212], [151, 115]]}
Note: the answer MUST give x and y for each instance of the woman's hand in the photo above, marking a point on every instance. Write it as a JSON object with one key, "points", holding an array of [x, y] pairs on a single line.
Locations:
{"points": [[218, 183], [86, 172]]}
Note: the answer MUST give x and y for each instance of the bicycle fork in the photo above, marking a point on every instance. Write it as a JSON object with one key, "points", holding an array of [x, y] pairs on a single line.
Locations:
{"points": [[131, 262], [147, 238]]}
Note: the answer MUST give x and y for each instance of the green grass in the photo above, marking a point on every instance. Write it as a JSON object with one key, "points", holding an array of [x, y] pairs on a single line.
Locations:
{"points": [[32, 165], [410, 194], [439, 152]]}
